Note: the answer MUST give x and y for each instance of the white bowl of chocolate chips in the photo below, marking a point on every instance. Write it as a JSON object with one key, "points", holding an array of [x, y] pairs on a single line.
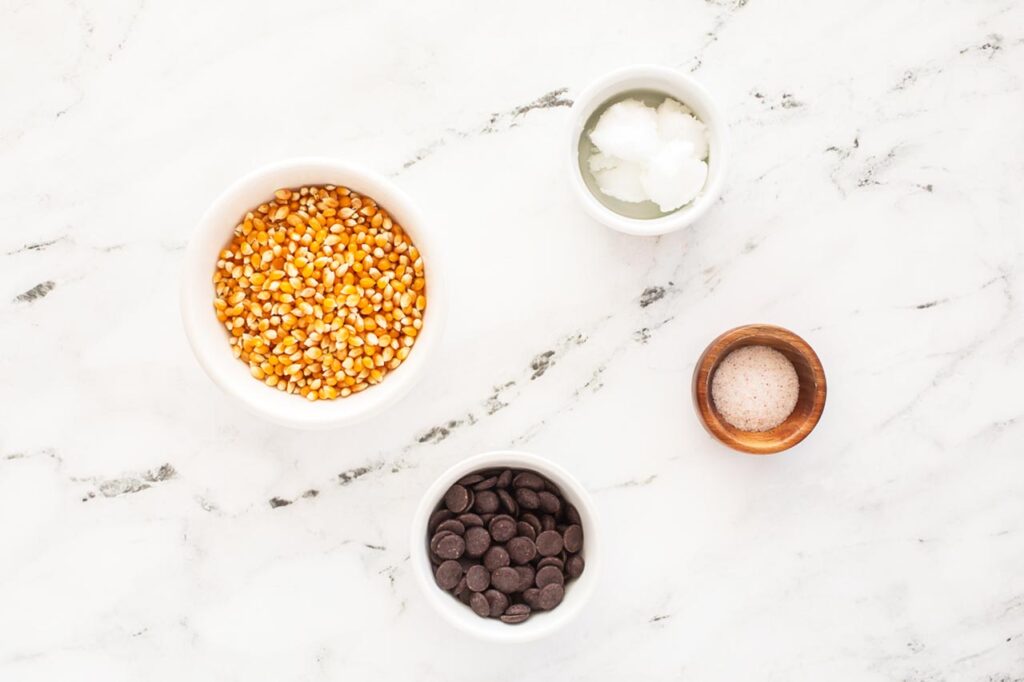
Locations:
{"points": [[505, 546]]}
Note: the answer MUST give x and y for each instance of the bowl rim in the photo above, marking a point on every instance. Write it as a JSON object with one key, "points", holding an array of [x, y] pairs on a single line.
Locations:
{"points": [[460, 615], [196, 283], [698, 99], [716, 351]]}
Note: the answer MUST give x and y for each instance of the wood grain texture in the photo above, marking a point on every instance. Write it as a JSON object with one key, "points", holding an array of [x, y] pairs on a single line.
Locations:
{"points": [[810, 401]]}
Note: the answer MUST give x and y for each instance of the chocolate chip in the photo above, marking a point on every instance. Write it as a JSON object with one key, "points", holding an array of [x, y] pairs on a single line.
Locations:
{"points": [[502, 528], [498, 602], [457, 499], [504, 479], [526, 577], [505, 579], [527, 498], [547, 522], [470, 480], [551, 561], [469, 519], [448, 574], [486, 502], [486, 518], [530, 480], [572, 515], [436, 519], [478, 540], [507, 501], [549, 503], [486, 484], [452, 525], [480, 605], [496, 557], [550, 596], [462, 586], [549, 543], [451, 546], [516, 613], [532, 597], [532, 520], [574, 566], [478, 578], [437, 538], [520, 549], [572, 538], [526, 530], [549, 575]]}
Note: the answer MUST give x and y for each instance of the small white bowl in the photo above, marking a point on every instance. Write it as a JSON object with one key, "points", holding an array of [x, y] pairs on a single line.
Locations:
{"points": [[209, 339], [673, 84], [540, 624]]}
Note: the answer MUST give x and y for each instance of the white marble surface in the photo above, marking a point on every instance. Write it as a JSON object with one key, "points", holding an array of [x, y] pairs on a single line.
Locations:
{"points": [[874, 206]]}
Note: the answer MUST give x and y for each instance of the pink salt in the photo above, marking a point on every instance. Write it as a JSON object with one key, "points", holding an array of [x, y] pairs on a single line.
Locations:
{"points": [[755, 388]]}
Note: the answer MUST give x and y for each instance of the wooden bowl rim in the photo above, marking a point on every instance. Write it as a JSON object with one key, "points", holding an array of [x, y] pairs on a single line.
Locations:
{"points": [[721, 346]]}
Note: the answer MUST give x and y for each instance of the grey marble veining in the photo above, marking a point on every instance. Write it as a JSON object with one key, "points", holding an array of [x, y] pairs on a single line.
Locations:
{"points": [[150, 529]]}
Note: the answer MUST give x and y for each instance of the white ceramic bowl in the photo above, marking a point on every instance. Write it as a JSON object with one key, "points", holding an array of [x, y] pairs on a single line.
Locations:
{"points": [[678, 86], [540, 624], [209, 338]]}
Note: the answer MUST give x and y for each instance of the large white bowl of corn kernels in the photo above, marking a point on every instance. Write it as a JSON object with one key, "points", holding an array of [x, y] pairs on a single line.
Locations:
{"points": [[312, 293]]}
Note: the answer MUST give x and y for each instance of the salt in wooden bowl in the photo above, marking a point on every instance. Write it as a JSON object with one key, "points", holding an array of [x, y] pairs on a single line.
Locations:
{"points": [[810, 400]]}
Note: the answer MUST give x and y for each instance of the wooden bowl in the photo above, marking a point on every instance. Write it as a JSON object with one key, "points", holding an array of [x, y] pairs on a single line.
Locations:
{"points": [[809, 404]]}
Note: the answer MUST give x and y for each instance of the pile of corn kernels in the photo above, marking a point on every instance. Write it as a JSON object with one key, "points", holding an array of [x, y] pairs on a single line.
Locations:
{"points": [[321, 292]]}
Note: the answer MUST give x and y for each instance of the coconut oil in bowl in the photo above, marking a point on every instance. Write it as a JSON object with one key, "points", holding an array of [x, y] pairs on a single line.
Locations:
{"points": [[649, 87]]}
